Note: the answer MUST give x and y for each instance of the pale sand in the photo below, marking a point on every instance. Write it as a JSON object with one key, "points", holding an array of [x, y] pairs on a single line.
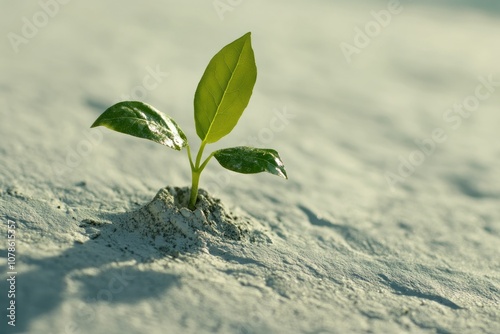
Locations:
{"points": [[334, 249]]}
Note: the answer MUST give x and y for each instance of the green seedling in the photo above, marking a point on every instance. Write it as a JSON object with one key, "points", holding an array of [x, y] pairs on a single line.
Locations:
{"points": [[221, 97]]}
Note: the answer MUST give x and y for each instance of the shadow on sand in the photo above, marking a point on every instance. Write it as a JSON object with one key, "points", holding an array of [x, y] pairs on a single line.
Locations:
{"points": [[101, 270]]}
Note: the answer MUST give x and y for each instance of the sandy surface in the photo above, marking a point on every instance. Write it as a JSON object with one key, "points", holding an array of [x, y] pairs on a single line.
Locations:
{"points": [[369, 235]]}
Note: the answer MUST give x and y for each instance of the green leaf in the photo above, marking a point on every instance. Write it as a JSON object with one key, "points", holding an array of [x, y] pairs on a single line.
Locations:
{"points": [[224, 90], [250, 160], [142, 120]]}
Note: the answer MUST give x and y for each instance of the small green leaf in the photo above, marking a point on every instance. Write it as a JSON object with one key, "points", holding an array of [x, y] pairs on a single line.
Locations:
{"points": [[142, 120], [224, 90], [249, 160]]}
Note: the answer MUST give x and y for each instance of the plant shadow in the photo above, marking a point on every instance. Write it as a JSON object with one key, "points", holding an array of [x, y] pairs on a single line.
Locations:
{"points": [[105, 269]]}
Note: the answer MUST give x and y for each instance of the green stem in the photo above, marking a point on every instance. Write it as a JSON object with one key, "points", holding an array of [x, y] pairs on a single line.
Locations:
{"points": [[200, 154], [190, 157], [194, 189], [196, 170], [202, 167]]}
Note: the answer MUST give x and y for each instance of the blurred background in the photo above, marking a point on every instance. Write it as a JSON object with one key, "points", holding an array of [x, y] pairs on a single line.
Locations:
{"points": [[360, 83]]}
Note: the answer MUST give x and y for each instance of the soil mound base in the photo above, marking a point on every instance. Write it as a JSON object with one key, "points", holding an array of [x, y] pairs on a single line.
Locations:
{"points": [[168, 222]]}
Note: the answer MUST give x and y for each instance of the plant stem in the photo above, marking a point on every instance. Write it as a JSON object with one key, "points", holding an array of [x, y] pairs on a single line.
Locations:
{"points": [[189, 157], [203, 165], [194, 189], [196, 170], [200, 154]]}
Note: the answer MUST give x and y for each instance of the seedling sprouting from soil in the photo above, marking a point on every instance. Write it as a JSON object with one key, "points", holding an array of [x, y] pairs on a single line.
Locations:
{"points": [[220, 99]]}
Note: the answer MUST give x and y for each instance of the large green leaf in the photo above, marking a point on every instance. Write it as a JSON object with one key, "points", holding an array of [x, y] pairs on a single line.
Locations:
{"points": [[142, 120], [224, 90], [249, 160]]}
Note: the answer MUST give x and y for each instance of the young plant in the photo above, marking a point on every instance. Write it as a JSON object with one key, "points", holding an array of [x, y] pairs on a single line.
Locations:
{"points": [[220, 99]]}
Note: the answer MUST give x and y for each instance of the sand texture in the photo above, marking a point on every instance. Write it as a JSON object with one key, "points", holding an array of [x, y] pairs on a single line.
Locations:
{"points": [[390, 219]]}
